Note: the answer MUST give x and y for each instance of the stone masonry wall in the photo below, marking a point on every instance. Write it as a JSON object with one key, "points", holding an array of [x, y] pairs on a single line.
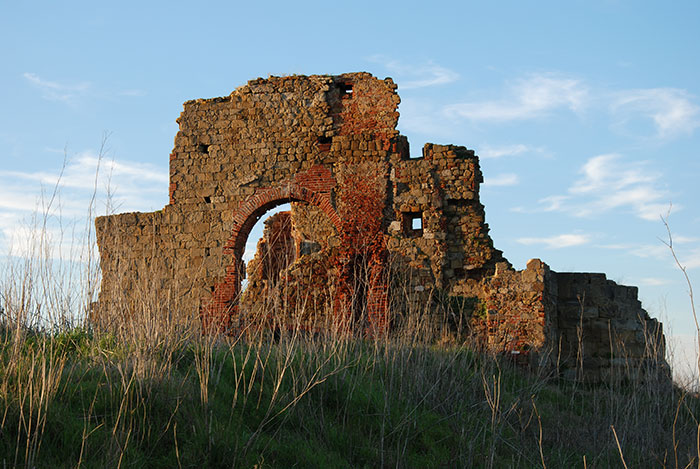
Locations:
{"points": [[604, 331], [451, 249], [273, 141], [581, 324], [362, 211], [520, 306]]}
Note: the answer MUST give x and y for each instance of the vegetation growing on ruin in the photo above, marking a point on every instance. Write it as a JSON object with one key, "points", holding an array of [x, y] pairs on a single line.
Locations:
{"points": [[158, 397], [148, 392]]}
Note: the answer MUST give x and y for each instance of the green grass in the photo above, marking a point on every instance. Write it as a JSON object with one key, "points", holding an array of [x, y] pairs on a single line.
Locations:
{"points": [[73, 399]]}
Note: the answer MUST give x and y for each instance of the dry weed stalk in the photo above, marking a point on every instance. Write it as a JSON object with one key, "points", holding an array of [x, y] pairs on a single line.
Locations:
{"points": [[292, 367], [691, 298]]}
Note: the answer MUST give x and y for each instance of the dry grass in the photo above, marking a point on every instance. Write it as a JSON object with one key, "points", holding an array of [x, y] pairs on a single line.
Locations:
{"points": [[152, 393]]}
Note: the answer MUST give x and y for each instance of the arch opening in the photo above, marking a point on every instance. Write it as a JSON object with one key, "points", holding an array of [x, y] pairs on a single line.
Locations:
{"points": [[289, 279], [223, 310], [257, 236]]}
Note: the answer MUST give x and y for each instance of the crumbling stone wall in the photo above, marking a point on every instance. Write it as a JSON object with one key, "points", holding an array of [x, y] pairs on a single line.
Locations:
{"points": [[361, 208], [452, 246], [520, 308], [308, 140], [581, 324], [604, 332]]}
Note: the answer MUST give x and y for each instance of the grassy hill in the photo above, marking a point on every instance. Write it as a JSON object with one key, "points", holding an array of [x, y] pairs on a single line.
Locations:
{"points": [[71, 398]]}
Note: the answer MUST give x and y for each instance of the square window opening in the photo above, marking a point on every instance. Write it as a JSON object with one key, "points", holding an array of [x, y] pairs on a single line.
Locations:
{"points": [[413, 224], [345, 90], [324, 143], [416, 224], [419, 156]]}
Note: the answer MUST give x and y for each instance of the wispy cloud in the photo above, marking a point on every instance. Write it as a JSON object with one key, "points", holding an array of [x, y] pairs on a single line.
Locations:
{"points": [[55, 91], [687, 248], [651, 251], [681, 239], [653, 281], [531, 97], [683, 357], [121, 184], [80, 173], [71, 93], [506, 179], [554, 203], [608, 182], [423, 117], [559, 241], [690, 259], [411, 76], [493, 152], [672, 110]]}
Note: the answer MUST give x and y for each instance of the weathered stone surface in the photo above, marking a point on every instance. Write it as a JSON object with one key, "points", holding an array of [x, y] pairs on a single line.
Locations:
{"points": [[361, 208]]}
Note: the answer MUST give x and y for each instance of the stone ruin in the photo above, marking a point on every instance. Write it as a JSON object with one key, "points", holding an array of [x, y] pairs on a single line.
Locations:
{"points": [[370, 231]]}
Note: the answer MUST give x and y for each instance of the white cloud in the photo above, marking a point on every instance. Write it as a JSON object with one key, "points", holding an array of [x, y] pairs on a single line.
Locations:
{"points": [[532, 97], [249, 253], [554, 202], [602, 170], [651, 251], [55, 91], [681, 239], [610, 183], [671, 110], [559, 241], [653, 282], [688, 254], [12, 198], [123, 185], [488, 151], [80, 172], [507, 179], [690, 260], [646, 251], [421, 116], [417, 76]]}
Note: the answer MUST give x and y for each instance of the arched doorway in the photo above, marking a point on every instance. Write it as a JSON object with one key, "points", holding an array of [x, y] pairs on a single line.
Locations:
{"points": [[219, 311]]}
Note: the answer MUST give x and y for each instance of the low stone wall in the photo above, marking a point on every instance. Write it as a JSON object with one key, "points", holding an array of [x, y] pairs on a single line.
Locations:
{"points": [[604, 331], [579, 325]]}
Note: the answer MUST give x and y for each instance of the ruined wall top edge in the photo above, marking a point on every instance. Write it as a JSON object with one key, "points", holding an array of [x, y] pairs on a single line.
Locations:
{"points": [[294, 82]]}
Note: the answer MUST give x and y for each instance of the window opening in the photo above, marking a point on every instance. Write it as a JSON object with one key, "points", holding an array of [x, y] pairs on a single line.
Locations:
{"points": [[413, 156], [413, 224], [345, 90], [324, 143]]}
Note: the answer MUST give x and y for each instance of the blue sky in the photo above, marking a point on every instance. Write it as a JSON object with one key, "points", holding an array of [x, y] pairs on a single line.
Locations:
{"points": [[586, 115]]}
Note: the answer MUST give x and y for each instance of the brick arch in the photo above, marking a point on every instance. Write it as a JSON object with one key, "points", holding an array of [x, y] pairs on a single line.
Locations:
{"points": [[218, 311], [266, 199]]}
